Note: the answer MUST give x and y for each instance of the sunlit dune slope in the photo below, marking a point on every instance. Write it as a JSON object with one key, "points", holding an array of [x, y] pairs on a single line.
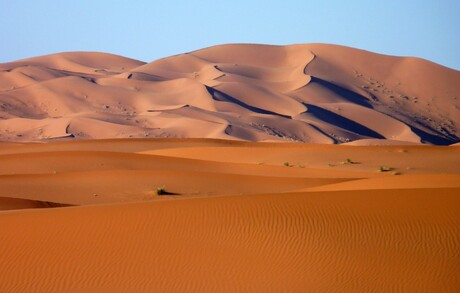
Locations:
{"points": [[311, 93], [235, 217], [118, 175], [405, 240], [115, 171]]}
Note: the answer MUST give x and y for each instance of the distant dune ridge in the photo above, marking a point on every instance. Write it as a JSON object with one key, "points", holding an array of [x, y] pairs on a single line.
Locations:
{"points": [[311, 93]]}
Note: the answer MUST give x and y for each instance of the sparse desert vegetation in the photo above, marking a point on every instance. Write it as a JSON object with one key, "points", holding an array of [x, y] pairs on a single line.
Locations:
{"points": [[384, 168], [161, 190]]}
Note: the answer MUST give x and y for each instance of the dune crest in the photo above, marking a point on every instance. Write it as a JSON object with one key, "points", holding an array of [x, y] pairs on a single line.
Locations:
{"points": [[310, 93]]}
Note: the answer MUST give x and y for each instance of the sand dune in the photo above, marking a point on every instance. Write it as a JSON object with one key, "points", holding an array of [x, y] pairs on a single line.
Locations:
{"points": [[366, 240], [186, 174], [242, 217], [308, 93]]}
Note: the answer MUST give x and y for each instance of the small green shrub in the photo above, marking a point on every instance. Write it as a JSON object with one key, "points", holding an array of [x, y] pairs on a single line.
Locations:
{"points": [[162, 191], [404, 97], [385, 169], [348, 161]]}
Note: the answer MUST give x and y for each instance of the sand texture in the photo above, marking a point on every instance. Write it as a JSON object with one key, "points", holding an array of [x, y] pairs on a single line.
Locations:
{"points": [[241, 217], [235, 168], [310, 93]]}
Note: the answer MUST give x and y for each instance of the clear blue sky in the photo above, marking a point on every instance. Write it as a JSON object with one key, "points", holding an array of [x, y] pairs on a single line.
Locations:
{"points": [[148, 30]]}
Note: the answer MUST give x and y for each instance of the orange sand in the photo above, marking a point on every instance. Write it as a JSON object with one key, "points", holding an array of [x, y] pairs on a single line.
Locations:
{"points": [[368, 203], [241, 220]]}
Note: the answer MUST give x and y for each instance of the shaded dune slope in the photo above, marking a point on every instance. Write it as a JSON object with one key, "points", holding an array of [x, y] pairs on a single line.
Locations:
{"points": [[310, 93]]}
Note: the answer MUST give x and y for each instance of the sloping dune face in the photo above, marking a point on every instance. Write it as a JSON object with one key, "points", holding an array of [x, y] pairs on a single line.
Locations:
{"points": [[239, 217], [307, 93]]}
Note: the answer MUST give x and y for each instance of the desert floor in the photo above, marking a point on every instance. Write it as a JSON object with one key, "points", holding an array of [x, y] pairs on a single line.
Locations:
{"points": [[85, 216]]}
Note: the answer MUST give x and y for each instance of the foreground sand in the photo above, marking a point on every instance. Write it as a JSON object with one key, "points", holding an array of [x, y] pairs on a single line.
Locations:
{"points": [[245, 217]]}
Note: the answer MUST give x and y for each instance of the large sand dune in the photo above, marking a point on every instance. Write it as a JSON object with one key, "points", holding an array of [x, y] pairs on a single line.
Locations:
{"points": [[310, 93], [123, 176]]}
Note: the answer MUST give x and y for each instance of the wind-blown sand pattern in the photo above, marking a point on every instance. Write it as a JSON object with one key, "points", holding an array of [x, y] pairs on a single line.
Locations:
{"points": [[244, 217], [370, 204], [308, 93]]}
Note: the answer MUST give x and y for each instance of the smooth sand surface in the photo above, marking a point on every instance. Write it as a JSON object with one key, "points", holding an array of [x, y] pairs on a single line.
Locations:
{"points": [[235, 168], [243, 217], [312, 93]]}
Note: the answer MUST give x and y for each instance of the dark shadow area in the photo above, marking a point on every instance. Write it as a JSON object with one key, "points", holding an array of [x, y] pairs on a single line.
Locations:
{"points": [[145, 76], [90, 79], [223, 97], [167, 193], [162, 191], [323, 133], [49, 204], [342, 122], [433, 139], [343, 92]]}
